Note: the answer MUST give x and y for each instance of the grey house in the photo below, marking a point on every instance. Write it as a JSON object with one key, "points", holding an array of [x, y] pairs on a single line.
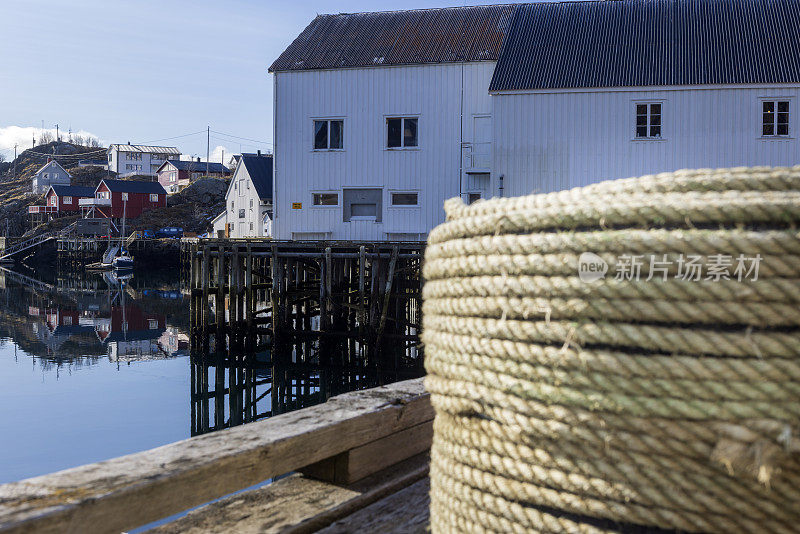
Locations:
{"points": [[51, 173]]}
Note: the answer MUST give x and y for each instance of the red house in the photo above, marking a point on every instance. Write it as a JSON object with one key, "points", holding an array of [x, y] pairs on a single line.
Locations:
{"points": [[115, 198], [62, 199]]}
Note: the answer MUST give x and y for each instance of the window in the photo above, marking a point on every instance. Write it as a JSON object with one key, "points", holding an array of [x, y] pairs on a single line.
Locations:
{"points": [[55, 176], [251, 227], [401, 132], [53, 201], [172, 177], [154, 197], [46, 175], [124, 196], [241, 214], [648, 121], [325, 199], [775, 118], [251, 203], [67, 200], [405, 199], [472, 198], [362, 204], [328, 135], [231, 204], [133, 156], [241, 187], [152, 324]]}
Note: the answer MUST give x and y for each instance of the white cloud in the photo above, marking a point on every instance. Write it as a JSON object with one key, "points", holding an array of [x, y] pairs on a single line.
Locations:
{"points": [[23, 137]]}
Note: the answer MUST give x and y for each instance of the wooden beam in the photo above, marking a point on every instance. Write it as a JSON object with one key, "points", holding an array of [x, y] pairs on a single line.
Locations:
{"points": [[130, 491], [370, 458]]}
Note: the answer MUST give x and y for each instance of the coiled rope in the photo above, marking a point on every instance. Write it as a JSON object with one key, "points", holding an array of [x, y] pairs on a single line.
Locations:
{"points": [[628, 401]]}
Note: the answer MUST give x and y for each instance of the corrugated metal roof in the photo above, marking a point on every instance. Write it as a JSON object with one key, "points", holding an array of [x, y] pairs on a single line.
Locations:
{"points": [[260, 170], [73, 191], [624, 43], [134, 186], [146, 148], [444, 35], [197, 166]]}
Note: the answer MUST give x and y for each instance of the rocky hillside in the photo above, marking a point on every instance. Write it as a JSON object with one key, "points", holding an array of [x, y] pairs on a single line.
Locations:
{"points": [[192, 209], [15, 190]]}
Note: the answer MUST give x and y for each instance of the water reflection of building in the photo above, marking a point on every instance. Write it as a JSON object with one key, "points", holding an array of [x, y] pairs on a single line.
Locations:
{"points": [[227, 392], [75, 319]]}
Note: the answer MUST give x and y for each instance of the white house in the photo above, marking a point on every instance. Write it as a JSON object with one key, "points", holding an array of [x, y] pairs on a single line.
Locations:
{"points": [[248, 201], [376, 126], [380, 117], [51, 173], [141, 160]]}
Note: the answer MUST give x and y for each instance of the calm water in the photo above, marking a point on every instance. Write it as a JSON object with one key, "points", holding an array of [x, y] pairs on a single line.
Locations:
{"points": [[92, 367]]}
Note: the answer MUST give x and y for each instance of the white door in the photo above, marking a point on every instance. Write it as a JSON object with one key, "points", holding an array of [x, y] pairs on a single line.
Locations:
{"points": [[242, 230]]}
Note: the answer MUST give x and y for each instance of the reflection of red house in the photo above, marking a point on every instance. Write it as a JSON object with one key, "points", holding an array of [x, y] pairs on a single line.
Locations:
{"points": [[113, 198], [131, 322]]}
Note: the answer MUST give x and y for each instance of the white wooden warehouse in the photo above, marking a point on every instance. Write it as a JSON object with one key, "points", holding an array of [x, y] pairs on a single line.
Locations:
{"points": [[380, 117]]}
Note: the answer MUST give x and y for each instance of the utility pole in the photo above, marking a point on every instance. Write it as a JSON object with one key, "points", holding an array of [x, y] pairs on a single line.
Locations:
{"points": [[222, 159], [208, 148]]}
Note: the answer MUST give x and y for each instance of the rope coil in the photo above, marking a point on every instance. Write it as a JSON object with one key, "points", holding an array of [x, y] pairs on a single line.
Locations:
{"points": [[621, 401]]}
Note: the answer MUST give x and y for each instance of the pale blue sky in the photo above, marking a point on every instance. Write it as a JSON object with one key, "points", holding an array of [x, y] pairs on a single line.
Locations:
{"points": [[145, 70]]}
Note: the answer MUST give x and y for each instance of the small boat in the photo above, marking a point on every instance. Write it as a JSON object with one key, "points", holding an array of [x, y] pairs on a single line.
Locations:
{"points": [[123, 261]]}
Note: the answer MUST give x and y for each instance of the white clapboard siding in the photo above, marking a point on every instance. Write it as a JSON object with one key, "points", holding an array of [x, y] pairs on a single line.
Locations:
{"points": [[363, 98], [548, 141]]}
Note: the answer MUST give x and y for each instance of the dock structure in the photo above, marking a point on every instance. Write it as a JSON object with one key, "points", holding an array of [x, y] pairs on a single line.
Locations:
{"points": [[358, 461], [349, 304]]}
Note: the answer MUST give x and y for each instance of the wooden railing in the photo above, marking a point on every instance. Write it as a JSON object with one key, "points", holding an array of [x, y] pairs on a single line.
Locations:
{"points": [[349, 437]]}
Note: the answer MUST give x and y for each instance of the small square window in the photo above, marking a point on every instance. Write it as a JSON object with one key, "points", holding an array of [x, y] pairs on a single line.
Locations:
{"points": [[648, 121], [472, 198], [124, 196], [241, 213], [402, 132], [328, 134], [326, 199], [154, 198], [405, 199], [775, 124]]}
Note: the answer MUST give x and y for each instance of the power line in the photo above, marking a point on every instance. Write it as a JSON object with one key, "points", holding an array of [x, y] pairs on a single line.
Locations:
{"points": [[170, 138], [245, 138]]}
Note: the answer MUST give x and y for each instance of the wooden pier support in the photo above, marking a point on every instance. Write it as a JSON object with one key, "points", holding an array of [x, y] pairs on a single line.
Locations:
{"points": [[327, 303]]}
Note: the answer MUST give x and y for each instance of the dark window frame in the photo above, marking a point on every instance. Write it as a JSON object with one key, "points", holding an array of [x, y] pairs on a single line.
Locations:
{"points": [[398, 139], [318, 195], [394, 204], [776, 118], [318, 145], [648, 120]]}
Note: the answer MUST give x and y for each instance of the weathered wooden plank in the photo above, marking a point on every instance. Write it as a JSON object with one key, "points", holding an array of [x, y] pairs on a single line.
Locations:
{"points": [[360, 462], [295, 504], [370, 458], [404, 512], [126, 492]]}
